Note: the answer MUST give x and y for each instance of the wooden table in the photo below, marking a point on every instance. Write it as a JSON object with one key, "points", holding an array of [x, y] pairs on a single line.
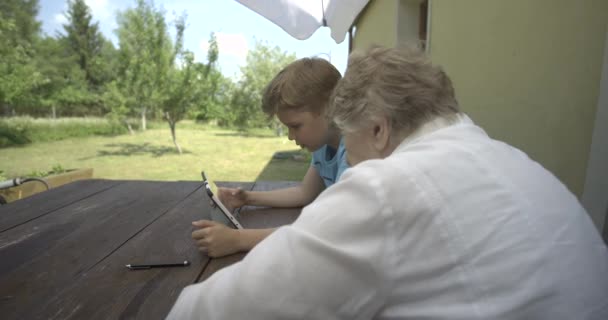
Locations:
{"points": [[63, 252]]}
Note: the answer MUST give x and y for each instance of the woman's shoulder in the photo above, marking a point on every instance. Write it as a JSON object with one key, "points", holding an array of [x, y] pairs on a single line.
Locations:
{"points": [[380, 172]]}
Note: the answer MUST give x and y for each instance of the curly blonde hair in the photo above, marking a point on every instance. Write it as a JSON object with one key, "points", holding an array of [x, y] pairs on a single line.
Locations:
{"points": [[304, 85], [400, 84]]}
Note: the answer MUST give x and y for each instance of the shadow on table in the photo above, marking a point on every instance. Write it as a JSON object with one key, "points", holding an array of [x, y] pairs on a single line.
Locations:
{"points": [[288, 165], [130, 149]]}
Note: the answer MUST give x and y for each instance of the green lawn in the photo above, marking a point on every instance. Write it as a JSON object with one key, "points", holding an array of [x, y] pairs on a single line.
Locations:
{"points": [[224, 155]]}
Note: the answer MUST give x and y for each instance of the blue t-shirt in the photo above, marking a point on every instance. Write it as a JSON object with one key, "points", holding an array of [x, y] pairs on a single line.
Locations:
{"points": [[330, 163]]}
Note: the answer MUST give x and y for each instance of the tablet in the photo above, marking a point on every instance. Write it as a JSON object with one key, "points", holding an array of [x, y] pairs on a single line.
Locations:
{"points": [[227, 217]]}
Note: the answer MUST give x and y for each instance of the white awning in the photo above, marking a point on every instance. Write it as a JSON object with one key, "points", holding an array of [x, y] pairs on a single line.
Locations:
{"points": [[301, 18]]}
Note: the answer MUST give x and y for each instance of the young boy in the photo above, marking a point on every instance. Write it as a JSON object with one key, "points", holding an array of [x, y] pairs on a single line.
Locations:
{"points": [[298, 96]]}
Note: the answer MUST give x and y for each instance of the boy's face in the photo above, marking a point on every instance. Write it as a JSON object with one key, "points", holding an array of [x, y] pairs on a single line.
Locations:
{"points": [[308, 129]]}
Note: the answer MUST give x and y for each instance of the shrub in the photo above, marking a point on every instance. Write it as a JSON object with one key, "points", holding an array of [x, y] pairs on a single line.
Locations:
{"points": [[22, 130], [12, 135], [57, 169]]}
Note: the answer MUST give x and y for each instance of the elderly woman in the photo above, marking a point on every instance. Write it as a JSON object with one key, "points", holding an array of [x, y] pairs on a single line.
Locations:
{"points": [[435, 220]]}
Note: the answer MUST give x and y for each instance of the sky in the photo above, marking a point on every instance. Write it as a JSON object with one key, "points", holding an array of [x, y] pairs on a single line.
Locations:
{"points": [[236, 28]]}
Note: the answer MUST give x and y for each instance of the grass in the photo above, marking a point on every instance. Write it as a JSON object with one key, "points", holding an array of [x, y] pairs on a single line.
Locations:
{"points": [[23, 130], [226, 155]]}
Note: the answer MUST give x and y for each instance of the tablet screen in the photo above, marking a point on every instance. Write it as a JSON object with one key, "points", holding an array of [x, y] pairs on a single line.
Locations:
{"points": [[210, 183], [226, 216]]}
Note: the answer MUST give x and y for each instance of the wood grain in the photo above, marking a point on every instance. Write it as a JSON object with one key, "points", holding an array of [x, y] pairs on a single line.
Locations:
{"points": [[40, 258], [40, 204], [63, 254], [121, 293]]}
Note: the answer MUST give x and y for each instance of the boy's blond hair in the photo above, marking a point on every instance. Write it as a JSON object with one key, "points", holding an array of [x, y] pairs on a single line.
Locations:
{"points": [[304, 85]]}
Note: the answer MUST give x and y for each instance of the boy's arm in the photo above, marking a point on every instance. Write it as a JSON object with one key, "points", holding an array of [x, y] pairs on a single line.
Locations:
{"points": [[298, 196], [249, 238], [218, 240]]}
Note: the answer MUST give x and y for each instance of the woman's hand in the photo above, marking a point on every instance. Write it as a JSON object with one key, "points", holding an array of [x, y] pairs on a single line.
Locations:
{"points": [[216, 239], [232, 198]]}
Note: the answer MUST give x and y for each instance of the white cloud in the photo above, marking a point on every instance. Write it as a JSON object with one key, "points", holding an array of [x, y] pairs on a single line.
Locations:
{"points": [[60, 19], [99, 8], [231, 44]]}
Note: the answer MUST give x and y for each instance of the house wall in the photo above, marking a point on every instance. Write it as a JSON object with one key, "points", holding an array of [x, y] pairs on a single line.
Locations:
{"points": [[377, 25], [528, 72], [387, 23], [595, 194], [408, 20]]}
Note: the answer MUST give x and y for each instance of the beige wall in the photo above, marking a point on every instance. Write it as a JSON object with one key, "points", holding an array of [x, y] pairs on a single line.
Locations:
{"points": [[387, 23], [377, 24], [528, 72], [408, 23], [595, 194]]}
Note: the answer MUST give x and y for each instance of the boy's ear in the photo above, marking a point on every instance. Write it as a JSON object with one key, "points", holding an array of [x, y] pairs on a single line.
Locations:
{"points": [[381, 132]]}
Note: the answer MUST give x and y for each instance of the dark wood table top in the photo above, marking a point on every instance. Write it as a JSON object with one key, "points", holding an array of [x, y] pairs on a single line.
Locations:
{"points": [[63, 252]]}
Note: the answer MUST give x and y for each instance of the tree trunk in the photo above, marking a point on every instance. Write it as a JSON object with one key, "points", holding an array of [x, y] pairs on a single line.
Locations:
{"points": [[172, 125], [129, 127], [278, 129], [54, 112], [143, 118]]}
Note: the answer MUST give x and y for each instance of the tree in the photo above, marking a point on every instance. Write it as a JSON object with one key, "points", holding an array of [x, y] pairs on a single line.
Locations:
{"points": [[118, 103], [145, 56], [216, 96], [187, 84], [105, 64], [19, 29], [263, 63], [206, 107], [22, 13], [63, 87], [84, 39]]}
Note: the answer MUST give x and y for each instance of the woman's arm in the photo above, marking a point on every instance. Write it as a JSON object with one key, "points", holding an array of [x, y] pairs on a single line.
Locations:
{"points": [[334, 262]]}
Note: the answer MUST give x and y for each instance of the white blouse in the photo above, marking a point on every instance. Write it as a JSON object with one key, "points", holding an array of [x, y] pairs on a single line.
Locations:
{"points": [[452, 225]]}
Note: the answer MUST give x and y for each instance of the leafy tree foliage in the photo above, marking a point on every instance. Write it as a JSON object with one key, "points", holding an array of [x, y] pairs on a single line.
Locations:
{"points": [[84, 40], [19, 31], [79, 72], [145, 56], [263, 63], [63, 89]]}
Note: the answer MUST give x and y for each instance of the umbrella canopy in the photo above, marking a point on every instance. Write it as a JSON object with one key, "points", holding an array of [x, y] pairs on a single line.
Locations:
{"points": [[301, 18]]}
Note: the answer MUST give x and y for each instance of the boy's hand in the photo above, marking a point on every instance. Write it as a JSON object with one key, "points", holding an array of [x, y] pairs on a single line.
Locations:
{"points": [[215, 238], [232, 198]]}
